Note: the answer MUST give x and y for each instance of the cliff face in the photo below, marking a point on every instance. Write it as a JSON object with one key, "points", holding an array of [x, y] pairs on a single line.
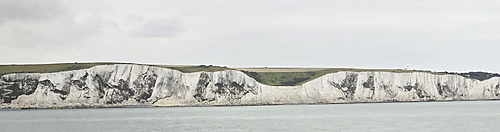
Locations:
{"points": [[123, 84]]}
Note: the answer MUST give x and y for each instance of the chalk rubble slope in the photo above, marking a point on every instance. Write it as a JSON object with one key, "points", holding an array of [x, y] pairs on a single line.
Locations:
{"points": [[128, 84]]}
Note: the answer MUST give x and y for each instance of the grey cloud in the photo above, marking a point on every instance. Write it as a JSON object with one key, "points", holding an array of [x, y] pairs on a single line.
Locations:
{"points": [[439, 35], [165, 28], [135, 18], [61, 33], [30, 10], [34, 24]]}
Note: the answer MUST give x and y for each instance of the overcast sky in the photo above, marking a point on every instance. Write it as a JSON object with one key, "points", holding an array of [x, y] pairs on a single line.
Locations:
{"points": [[453, 35]]}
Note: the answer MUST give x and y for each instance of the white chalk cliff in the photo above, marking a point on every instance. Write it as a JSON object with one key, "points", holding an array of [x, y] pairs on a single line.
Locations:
{"points": [[127, 84]]}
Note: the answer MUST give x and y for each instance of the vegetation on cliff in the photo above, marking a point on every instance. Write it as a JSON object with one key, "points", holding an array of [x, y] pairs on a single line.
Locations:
{"points": [[298, 77], [190, 69], [475, 75], [268, 76], [47, 68]]}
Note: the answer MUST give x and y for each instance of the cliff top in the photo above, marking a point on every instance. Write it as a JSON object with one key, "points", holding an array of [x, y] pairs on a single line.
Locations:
{"points": [[48, 68], [268, 76]]}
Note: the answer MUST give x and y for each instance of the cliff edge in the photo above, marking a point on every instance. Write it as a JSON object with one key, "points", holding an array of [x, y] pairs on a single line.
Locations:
{"points": [[129, 84]]}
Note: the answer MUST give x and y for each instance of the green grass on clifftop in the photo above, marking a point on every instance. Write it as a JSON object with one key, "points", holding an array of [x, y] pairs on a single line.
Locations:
{"points": [[190, 69], [268, 76], [47, 68], [297, 78]]}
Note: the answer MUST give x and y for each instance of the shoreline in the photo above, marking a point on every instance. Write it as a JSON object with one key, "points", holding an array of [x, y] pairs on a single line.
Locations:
{"points": [[8, 108]]}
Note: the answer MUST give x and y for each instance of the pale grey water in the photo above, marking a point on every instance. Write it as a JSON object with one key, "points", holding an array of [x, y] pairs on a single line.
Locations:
{"points": [[422, 116]]}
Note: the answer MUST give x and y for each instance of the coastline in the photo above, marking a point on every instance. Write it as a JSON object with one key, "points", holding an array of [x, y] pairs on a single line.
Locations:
{"points": [[132, 86], [9, 108]]}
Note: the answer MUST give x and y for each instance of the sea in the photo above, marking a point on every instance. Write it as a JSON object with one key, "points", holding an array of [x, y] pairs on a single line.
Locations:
{"points": [[456, 116]]}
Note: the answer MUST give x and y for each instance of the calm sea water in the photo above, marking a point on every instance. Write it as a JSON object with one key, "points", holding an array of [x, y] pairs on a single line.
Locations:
{"points": [[422, 116]]}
